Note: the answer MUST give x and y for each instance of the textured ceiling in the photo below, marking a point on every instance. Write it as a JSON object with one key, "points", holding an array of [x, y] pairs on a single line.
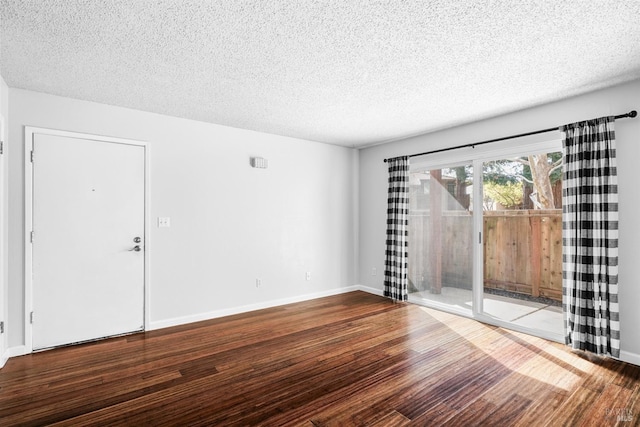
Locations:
{"points": [[351, 73]]}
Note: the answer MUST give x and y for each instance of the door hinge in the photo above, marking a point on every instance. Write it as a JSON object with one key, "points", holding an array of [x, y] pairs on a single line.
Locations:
{"points": [[31, 156], [480, 237], [1, 147], [32, 235], [31, 317], [1, 327]]}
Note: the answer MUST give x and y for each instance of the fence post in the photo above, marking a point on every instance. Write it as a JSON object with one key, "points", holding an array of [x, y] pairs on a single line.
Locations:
{"points": [[536, 252]]}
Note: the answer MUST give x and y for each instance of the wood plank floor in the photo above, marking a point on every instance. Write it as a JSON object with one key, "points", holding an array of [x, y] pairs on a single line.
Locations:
{"points": [[351, 359]]}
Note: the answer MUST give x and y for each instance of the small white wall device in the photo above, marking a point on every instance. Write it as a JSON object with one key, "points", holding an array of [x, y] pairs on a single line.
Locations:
{"points": [[259, 162]]}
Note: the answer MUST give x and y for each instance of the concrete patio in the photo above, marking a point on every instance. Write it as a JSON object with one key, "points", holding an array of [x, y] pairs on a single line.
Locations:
{"points": [[530, 314]]}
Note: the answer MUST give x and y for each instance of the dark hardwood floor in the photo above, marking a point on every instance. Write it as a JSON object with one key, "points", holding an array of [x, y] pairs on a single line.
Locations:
{"points": [[352, 359]]}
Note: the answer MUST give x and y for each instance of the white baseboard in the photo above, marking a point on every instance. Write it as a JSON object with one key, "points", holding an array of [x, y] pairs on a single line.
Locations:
{"points": [[629, 357], [19, 350], [370, 290], [246, 308]]}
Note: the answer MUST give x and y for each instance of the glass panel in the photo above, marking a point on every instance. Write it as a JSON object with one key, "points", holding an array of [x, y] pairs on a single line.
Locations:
{"points": [[440, 236], [522, 228]]}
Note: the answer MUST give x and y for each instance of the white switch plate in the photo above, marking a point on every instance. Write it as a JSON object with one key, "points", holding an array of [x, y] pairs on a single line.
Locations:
{"points": [[164, 221], [308, 275], [258, 283]]}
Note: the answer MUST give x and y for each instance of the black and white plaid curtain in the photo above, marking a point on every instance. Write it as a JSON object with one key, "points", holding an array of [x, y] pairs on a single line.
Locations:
{"points": [[396, 256], [590, 237]]}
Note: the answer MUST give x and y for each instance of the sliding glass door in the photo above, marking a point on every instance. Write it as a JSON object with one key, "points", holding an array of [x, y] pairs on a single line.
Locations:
{"points": [[441, 235], [522, 245], [485, 236]]}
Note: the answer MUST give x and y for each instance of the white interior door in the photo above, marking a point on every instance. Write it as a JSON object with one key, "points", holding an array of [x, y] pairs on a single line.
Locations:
{"points": [[88, 215]]}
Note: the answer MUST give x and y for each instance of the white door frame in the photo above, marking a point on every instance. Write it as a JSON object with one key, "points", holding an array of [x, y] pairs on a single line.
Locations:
{"points": [[29, 133], [4, 294]]}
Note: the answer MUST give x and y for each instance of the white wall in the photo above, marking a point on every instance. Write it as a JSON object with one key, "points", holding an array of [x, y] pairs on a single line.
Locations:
{"points": [[612, 101], [4, 112], [230, 223]]}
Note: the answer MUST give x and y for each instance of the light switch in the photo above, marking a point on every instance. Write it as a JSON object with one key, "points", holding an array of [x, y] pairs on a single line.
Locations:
{"points": [[164, 221]]}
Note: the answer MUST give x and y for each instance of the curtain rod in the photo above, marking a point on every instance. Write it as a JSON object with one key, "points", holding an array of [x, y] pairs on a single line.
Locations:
{"points": [[630, 114]]}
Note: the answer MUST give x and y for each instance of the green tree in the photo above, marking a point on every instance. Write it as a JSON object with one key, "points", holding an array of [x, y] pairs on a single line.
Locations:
{"points": [[539, 170], [509, 195]]}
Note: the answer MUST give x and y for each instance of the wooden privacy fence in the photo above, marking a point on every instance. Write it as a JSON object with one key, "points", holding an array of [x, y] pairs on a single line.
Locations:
{"points": [[522, 251]]}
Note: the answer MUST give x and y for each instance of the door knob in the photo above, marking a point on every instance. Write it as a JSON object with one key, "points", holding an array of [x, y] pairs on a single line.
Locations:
{"points": [[136, 248]]}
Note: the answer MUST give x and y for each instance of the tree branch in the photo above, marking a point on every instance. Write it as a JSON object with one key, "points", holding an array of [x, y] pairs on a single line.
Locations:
{"points": [[525, 178], [555, 167]]}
